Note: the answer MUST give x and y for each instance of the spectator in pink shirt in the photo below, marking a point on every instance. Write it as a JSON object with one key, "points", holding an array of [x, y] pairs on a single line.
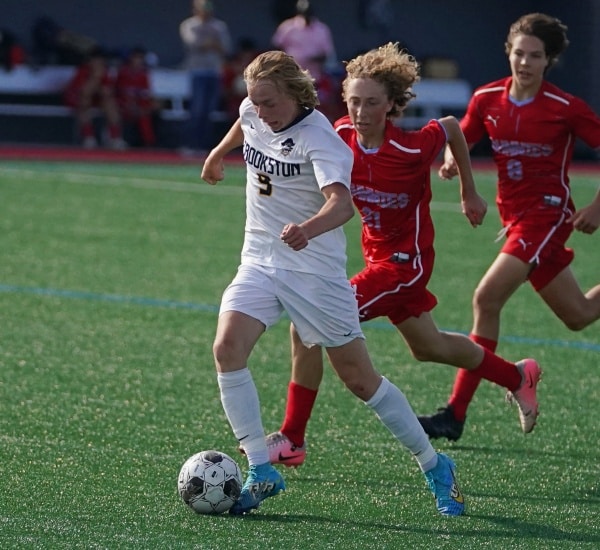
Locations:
{"points": [[307, 39]]}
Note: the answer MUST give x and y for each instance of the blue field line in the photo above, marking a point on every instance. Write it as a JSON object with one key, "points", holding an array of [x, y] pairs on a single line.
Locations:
{"points": [[541, 342], [116, 298], [192, 306]]}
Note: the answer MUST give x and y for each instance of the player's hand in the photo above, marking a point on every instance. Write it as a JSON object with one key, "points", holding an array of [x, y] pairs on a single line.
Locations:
{"points": [[448, 170], [474, 208], [586, 219], [212, 170], [294, 236]]}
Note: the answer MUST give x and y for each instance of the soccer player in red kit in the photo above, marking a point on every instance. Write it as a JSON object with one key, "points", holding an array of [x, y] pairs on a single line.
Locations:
{"points": [[532, 126], [391, 189]]}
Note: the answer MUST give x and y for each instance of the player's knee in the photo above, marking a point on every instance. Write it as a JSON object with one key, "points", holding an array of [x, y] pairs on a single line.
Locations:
{"points": [[575, 322], [359, 384], [484, 302], [224, 351], [219, 350], [576, 316], [357, 388]]}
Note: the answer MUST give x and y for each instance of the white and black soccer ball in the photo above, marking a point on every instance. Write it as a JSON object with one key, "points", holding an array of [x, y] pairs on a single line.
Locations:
{"points": [[210, 482]]}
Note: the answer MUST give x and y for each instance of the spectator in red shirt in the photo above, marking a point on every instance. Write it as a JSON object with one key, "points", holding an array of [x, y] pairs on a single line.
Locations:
{"points": [[232, 79], [92, 88], [134, 96]]}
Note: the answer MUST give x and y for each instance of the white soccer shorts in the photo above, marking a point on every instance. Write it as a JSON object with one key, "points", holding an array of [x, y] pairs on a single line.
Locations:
{"points": [[323, 309]]}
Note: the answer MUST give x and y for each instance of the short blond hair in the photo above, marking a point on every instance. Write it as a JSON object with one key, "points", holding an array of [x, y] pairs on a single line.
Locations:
{"points": [[285, 73], [392, 67]]}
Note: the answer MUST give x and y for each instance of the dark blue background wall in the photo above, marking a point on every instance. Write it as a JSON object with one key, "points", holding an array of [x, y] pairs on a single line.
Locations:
{"points": [[470, 31]]}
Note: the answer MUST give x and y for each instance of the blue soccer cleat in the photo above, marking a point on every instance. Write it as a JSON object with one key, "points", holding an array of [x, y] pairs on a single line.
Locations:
{"points": [[263, 481], [449, 499]]}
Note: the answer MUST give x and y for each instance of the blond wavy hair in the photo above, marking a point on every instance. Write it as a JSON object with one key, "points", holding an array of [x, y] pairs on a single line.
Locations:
{"points": [[392, 67], [285, 73]]}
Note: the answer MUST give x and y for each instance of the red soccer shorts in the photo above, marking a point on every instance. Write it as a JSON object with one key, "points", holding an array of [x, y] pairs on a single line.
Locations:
{"points": [[395, 290], [542, 243]]}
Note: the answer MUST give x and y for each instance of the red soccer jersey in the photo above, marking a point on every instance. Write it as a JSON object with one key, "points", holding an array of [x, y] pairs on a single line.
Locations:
{"points": [[83, 75], [391, 189], [133, 88], [532, 144]]}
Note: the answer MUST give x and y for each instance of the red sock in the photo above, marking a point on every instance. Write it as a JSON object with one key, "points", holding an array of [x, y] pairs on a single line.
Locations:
{"points": [[146, 130], [114, 131], [467, 382], [87, 130], [498, 370], [300, 402]]}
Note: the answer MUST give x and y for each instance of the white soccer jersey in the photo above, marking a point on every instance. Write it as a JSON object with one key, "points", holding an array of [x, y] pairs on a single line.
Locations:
{"points": [[285, 172]]}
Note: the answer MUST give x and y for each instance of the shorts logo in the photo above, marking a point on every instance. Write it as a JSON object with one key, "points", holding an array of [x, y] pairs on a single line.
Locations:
{"points": [[524, 243]]}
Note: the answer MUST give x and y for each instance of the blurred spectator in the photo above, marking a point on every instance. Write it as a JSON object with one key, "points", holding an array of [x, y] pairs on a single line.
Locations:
{"points": [[307, 39], [329, 91], [11, 52], [207, 44], [233, 84], [310, 42], [377, 15], [92, 88], [134, 95], [55, 45], [283, 9]]}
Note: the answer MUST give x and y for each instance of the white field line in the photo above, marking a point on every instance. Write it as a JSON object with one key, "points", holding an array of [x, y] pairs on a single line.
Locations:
{"points": [[159, 185], [125, 181]]}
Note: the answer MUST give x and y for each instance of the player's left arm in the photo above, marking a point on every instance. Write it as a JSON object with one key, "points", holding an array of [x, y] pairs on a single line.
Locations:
{"points": [[336, 211], [586, 125], [587, 219], [474, 206]]}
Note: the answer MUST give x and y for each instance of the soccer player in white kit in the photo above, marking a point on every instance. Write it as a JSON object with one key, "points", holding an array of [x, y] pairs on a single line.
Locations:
{"points": [[294, 260]]}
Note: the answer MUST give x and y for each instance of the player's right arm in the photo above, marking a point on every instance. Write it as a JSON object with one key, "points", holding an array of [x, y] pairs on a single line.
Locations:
{"points": [[473, 205], [212, 170], [448, 169], [336, 211]]}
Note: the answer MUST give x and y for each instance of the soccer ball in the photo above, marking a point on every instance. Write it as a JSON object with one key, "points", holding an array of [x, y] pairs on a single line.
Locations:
{"points": [[210, 482]]}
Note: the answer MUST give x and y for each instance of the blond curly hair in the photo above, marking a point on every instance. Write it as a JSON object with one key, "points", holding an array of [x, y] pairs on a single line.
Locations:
{"points": [[392, 67]]}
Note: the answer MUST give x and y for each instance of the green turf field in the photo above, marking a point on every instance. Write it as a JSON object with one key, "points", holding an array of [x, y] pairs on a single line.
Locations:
{"points": [[110, 279]]}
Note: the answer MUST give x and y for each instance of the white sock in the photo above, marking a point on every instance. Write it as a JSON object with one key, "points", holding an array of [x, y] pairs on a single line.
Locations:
{"points": [[394, 410], [242, 407]]}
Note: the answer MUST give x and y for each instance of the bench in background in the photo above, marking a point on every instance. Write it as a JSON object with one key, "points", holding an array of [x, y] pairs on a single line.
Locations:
{"points": [[436, 98], [36, 93]]}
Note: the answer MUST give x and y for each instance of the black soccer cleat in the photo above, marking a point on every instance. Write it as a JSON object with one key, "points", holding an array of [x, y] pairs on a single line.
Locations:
{"points": [[442, 424]]}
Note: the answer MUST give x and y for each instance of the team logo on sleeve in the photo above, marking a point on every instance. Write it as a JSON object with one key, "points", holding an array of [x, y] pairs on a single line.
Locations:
{"points": [[287, 146]]}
